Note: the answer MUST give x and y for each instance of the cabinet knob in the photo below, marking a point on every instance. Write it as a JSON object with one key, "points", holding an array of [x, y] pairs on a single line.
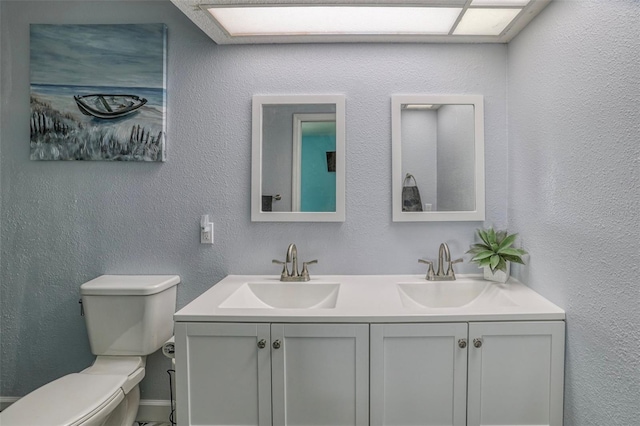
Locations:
{"points": [[277, 344], [262, 343], [462, 343], [477, 343]]}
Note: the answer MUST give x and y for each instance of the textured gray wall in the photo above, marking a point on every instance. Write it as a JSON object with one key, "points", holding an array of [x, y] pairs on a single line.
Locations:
{"points": [[64, 223], [574, 192]]}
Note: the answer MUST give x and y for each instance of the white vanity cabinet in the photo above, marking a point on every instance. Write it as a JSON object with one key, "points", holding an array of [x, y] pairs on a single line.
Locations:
{"points": [[263, 374], [418, 374], [360, 350], [223, 377], [516, 375], [320, 374], [480, 373]]}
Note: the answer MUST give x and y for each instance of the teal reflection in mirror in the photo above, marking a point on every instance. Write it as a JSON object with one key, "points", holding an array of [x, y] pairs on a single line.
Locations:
{"points": [[298, 158], [314, 183], [438, 158]]}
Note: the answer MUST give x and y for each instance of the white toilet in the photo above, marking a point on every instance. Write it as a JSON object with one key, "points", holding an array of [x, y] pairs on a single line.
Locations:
{"points": [[128, 317]]}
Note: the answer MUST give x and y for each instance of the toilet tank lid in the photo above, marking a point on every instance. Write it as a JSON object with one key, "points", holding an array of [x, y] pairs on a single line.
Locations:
{"points": [[140, 285]]}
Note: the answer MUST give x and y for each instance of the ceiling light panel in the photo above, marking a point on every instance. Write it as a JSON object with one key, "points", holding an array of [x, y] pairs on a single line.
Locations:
{"points": [[499, 3], [489, 22], [360, 21], [326, 20]]}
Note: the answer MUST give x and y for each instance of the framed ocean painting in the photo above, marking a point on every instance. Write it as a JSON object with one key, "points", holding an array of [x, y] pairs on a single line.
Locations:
{"points": [[98, 92]]}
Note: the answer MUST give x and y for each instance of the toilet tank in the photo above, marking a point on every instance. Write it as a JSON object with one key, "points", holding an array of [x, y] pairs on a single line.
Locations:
{"points": [[129, 314]]}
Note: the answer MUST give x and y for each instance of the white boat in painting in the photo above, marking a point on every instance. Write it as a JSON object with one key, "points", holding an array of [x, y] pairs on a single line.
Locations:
{"points": [[108, 106]]}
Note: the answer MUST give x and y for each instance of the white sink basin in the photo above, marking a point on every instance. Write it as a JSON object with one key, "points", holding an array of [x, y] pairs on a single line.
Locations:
{"points": [[283, 296], [440, 294]]}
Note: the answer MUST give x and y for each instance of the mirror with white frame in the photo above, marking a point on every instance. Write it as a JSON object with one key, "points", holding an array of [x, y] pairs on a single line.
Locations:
{"points": [[437, 158], [298, 158]]}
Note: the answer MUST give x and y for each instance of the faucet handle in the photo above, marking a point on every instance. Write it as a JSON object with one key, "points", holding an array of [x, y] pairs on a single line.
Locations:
{"points": [[450, 272], [305, 271], [430, 273], [284, 272]]}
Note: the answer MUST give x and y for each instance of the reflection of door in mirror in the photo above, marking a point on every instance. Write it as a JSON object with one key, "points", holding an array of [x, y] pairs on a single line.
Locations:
{"points": [[313, 183], [438, 150]]}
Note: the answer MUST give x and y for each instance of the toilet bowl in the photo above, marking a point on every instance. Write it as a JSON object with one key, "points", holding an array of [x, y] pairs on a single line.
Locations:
{"points": [[128, 317]]}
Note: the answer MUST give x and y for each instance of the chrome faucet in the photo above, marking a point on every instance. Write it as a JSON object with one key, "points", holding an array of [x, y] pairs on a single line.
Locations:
{"points": [[294, 275], [443, 255], [292, 256], [443, 251]]}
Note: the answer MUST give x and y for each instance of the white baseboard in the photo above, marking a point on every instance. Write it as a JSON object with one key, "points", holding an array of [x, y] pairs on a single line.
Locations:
{"points": [[150, 410]]}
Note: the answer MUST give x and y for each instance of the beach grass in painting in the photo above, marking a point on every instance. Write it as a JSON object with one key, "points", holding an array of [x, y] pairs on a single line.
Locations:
{"points": [[119, 63]]}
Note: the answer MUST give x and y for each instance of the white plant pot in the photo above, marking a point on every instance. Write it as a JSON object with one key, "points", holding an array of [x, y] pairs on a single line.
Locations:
{"points": [[498, 276]]}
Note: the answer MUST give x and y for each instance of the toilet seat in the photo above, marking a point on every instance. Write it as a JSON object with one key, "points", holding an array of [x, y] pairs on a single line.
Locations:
{"points": [[71, 400], [83, 398]]}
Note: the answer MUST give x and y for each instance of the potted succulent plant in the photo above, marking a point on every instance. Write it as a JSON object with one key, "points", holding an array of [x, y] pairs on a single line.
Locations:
{"points": [[495, 253]]}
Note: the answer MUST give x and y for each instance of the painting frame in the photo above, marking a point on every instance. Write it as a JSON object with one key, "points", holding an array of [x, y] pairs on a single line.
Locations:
{"points": [[98, 92]]}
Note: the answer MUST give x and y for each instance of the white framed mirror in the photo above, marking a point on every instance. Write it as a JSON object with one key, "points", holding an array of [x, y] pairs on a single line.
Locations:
{"points": [[298, 158], [437, 158]]}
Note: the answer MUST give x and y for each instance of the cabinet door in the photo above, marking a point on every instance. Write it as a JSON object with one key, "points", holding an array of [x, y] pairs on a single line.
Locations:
{"points": [[418, 374], [516, 375], [223, 377], [320, 374]]}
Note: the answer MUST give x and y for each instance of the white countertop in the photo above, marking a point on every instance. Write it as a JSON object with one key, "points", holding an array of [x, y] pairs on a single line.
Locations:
{"points": [[375, 299]]}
